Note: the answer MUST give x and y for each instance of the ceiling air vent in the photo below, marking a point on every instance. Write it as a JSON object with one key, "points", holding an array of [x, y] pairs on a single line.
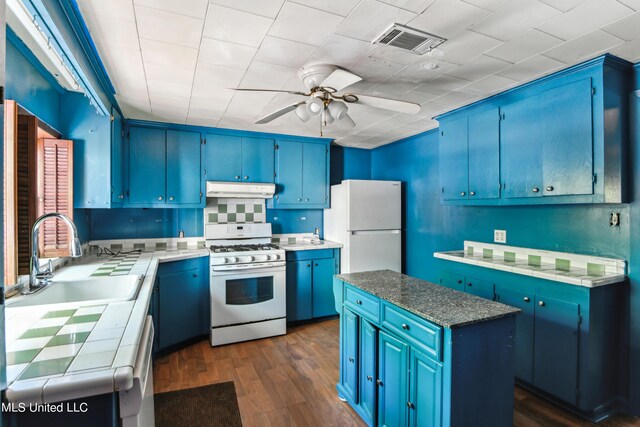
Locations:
{"points": [[409, 39]]}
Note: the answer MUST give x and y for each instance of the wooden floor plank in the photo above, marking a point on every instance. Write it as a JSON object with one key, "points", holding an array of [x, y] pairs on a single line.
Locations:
{"points": [[290, 381]]}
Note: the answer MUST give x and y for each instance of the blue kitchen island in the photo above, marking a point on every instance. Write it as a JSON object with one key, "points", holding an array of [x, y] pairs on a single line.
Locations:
{"points": [[413, 353]]}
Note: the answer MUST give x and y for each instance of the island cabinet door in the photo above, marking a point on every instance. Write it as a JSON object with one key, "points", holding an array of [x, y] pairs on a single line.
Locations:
{"points": [[350, 355], [524, 329], [555, 368], [392, 381], [368, 370], [425, 391]]}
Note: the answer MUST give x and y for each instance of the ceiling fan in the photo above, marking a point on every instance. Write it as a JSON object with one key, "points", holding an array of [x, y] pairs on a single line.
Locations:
{"points": [[324, 82]]}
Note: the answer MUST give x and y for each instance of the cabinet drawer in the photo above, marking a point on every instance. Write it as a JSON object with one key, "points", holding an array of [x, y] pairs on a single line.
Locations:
{"points": [[417, 331], [362, 303]]}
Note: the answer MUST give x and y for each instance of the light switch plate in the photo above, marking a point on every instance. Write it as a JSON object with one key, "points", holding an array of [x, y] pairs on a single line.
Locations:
{"points": [[500, 236]]}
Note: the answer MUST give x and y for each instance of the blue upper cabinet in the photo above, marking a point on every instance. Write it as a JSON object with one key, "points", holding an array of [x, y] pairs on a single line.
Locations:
{"points": [[183, 168], [239, 159], [147, 164], [164, 168], [546, 142], [302, 174]]}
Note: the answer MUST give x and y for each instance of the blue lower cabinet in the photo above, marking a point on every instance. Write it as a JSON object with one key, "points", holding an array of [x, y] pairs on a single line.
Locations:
{"points": [[310, 284], [425, 390], [182, 297], [453, 281], [525, 301], [557, 326], [349, 356], [480, 288], [368, 371], [392, 385]]}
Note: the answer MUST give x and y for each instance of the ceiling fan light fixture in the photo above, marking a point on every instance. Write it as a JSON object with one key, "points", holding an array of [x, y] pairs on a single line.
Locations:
{"points": [[338, 109], [327, 118], [315, 106], [301, 112]]}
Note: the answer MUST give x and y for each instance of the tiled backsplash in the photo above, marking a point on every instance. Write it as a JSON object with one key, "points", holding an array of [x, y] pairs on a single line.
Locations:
{"points": [[235, 211], [147, 245]]}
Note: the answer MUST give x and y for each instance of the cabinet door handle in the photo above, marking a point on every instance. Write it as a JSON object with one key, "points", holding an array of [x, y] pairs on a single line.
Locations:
{"points": [[359, 302], [541, 303], [237, 176], [369, 378], [306, 200], [462, 193], [405, 326], [246, 177], [171, 198], [316, 264], [121, 196], [469, 284], [299, 200], [526, 299], [549, 188], [308, 265], [472, 193], [535, 189], [410, 405], [351, 359], [159, 197], [379, 382], [195, 275], [459, 281]]}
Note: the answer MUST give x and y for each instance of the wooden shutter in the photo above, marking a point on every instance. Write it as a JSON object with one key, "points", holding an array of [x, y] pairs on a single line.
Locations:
{"points": [[55, 194]]}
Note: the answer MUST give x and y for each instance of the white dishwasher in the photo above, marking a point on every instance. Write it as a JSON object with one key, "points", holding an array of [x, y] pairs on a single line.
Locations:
{"points": [[136, 404]]}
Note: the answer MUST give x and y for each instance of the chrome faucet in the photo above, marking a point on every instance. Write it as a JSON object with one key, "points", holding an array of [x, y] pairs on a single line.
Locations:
{"points": [[37, 278]]}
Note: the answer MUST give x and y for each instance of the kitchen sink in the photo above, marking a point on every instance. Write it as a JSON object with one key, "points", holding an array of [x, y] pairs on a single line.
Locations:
{"points": [[95, 290]]}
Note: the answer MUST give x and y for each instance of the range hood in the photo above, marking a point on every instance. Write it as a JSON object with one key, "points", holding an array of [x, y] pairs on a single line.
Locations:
{"points": [[240, 190]]}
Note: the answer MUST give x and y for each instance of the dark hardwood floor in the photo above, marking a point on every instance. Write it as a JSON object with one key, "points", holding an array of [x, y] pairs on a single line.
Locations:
{"points": [[290, 381]]}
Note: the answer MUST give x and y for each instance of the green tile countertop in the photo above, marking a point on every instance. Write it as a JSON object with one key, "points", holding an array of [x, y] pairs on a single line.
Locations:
{"points": [[574, 269], [66, 351]]}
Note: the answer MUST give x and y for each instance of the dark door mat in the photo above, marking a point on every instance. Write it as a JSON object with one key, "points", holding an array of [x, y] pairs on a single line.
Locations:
{"points": [[211, 405]]}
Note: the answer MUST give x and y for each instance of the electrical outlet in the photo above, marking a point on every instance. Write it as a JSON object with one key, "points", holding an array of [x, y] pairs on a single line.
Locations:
{"points": [[614, 219], [500, 236]]}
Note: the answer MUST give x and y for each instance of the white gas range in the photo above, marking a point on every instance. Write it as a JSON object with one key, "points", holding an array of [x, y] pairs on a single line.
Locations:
{"points": [[248, 283]]}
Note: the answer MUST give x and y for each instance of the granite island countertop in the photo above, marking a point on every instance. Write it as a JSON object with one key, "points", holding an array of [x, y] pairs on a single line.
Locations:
{"points": [[443, 306]]}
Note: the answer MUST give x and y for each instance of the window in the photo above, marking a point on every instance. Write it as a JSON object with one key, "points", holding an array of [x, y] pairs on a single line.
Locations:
{"points": [[38, 179]]}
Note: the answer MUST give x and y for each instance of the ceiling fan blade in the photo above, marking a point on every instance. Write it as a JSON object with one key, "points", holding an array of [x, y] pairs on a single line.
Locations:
{"points": [[388, 104], [292, 92], [340, 79], [348, 120], [278, 113]]}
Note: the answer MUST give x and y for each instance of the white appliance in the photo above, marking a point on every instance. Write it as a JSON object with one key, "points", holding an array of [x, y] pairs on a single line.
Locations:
{"points": [[136, 404], [366, 217], [248, 283], [237, 190]]}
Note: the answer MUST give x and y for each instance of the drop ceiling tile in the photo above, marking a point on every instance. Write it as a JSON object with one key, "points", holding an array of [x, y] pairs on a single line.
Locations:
{"points": [[416, 6], [304, 24], [134, 108], [121, 10], [112, 32], [479, 68], [266, 8], [563, 5], [393, 88], [284, 52], [215, 77], [456, 99], [271, 76], [425, 69], [193, 8], [160, 102], [394, 54], [249, 103], [169, 88], [584, 47], [342, 51], [235, 26], [515, 18], [628, 28], [218, 52], [629, 51], [531, 68], [465, 46], [445, 18], [443, 84], [531, 43], [633, 4], [211, 98], [490, 85], [588, 16], [370, 18], [342, 7], [206, 121], [167, 54], [376, 70], [168, 27], [492, 5], [166, 73]]}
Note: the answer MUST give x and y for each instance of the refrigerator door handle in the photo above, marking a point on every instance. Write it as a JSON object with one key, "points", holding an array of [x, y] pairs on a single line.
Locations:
{"points": [[359, 232]]}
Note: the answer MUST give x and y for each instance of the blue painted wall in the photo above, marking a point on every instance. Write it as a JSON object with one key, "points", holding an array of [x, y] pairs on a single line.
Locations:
{"points": [[29, 87], [349, 163]]}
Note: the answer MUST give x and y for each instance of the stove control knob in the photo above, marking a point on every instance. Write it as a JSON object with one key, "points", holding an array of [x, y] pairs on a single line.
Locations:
{"points": [[230, 260]]}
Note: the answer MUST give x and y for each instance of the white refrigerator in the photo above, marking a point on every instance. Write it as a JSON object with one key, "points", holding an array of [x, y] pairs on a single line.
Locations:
{"points": [[366, 217]]}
